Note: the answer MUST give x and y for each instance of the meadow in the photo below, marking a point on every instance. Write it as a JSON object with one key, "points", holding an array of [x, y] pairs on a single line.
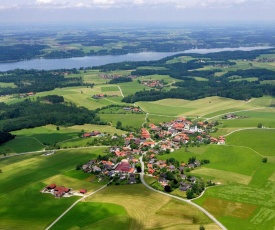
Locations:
{"points": [[39, 138], [23, 177], [206, 107]]}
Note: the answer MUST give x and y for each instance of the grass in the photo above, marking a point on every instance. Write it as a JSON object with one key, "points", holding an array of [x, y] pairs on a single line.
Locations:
{"points": [[150, 210], [134, 120], [7, 84], [241, 206], [260, 140], [24, 176], [21, 144], [264, 116], [86, 215], [32, 139], [233, 159], [180, 107]]}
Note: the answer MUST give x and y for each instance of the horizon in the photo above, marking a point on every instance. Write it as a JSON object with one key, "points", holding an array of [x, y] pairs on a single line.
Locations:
{"points": [[136, 11]]}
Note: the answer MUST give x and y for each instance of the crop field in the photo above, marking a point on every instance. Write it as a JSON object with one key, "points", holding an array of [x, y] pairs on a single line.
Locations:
{"points": [[94, 215], [134, 120], [260, 140], [35, 139], [132, 87], [203, 107], [264, 116], [7, 84], [22, 179], [239, 206], [21, 144], [149, 210]]}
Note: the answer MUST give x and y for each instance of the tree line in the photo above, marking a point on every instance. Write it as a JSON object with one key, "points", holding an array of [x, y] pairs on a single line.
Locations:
{"points": [[29, 114]]}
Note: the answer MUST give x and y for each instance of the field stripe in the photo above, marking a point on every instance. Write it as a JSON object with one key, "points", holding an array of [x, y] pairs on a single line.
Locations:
{"points": [[64, 213]]}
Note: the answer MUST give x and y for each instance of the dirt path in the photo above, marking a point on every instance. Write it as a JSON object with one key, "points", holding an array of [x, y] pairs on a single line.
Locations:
{"points": [[120, 91], [68, 209]]}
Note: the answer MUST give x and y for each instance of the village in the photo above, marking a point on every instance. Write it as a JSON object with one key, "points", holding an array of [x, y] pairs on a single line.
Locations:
{"points": [[122, 164]]}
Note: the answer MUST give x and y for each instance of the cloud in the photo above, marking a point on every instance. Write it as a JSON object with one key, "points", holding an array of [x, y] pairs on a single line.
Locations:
{"points": [[44, 1], [179, 4]]}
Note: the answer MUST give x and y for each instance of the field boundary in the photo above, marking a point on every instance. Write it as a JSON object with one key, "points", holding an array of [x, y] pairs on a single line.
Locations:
{"points": [[75, 203], [178, 198]]}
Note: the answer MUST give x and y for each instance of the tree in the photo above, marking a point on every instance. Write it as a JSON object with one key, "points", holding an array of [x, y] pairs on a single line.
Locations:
{"points": [[189, 194], [264, 160], [202, 227], [78, 167], [57, 128], [119, 125], [260, 125], [167, 188]]}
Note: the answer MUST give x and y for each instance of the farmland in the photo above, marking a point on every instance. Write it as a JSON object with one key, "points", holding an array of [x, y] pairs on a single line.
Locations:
{"points": [[22, 179], [243, 197]]}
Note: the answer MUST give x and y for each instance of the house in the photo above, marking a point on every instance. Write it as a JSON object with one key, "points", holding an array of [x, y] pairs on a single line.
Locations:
{"points": [[82, 191], [145, 134], [132, 178], [51, 186], [184, 187], [125, 167], [60, 191]]}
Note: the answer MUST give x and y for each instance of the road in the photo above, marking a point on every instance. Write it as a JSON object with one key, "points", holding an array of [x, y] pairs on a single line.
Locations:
{"points": [[178, 198], [44, 151], [68, 209], [120, 91]]}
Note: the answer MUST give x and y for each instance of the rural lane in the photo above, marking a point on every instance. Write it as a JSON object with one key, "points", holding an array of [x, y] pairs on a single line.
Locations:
{"points": [[178, 198], [67, 210]]}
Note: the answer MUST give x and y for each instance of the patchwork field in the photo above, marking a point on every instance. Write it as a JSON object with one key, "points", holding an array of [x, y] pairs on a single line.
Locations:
{"points": [[206, 107], [149, 210], [34, 139], [22, 179]]}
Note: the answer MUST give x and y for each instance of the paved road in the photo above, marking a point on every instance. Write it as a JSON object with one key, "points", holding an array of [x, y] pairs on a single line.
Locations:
{"points": [[67, 210], [178, 198]]}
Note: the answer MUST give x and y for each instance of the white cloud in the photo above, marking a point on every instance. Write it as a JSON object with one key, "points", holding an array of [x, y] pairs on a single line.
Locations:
{"points": [[133, 3], [44, 1]]}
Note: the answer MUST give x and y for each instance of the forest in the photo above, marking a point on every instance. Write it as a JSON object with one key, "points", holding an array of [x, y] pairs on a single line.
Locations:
{"points": [[29, 114], [38, 80]]}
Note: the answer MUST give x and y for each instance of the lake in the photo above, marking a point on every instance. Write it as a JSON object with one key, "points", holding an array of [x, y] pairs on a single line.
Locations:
{"points": [[89, 61]]}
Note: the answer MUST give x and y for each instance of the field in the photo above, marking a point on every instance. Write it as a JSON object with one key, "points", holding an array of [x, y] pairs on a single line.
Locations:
{"points": [[134, 120], [94, 215], [260, 140], [203, 107], [22, 179], [35, 139], [244, 199], [149, 210]]}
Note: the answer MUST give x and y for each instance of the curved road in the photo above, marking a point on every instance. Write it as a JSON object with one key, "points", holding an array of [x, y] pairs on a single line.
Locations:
{"points": [[178, 198]]}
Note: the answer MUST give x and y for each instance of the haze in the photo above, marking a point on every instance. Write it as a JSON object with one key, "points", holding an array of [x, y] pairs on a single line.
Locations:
{"points": [[160, 11]]}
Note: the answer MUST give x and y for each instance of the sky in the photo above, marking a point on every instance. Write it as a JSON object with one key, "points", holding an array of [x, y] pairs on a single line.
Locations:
{"points": [[159, 11]]}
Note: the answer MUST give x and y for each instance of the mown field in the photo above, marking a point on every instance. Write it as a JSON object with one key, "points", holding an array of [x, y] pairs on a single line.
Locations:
{"points": [[206, 107], [23, 177], [39, 138], [150, 210], [244, 199]]}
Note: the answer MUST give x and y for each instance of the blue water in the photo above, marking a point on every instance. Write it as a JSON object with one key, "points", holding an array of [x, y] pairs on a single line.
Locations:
{"points": [[89, 61]]}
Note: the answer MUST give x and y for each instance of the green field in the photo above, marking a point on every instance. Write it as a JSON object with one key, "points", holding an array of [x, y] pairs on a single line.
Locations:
{"points": [[264, 116], [134, 120], [150, 210], [22, 179], [203, 107], [38, 138], [94, 215], [260, 140], [22, 144]]}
